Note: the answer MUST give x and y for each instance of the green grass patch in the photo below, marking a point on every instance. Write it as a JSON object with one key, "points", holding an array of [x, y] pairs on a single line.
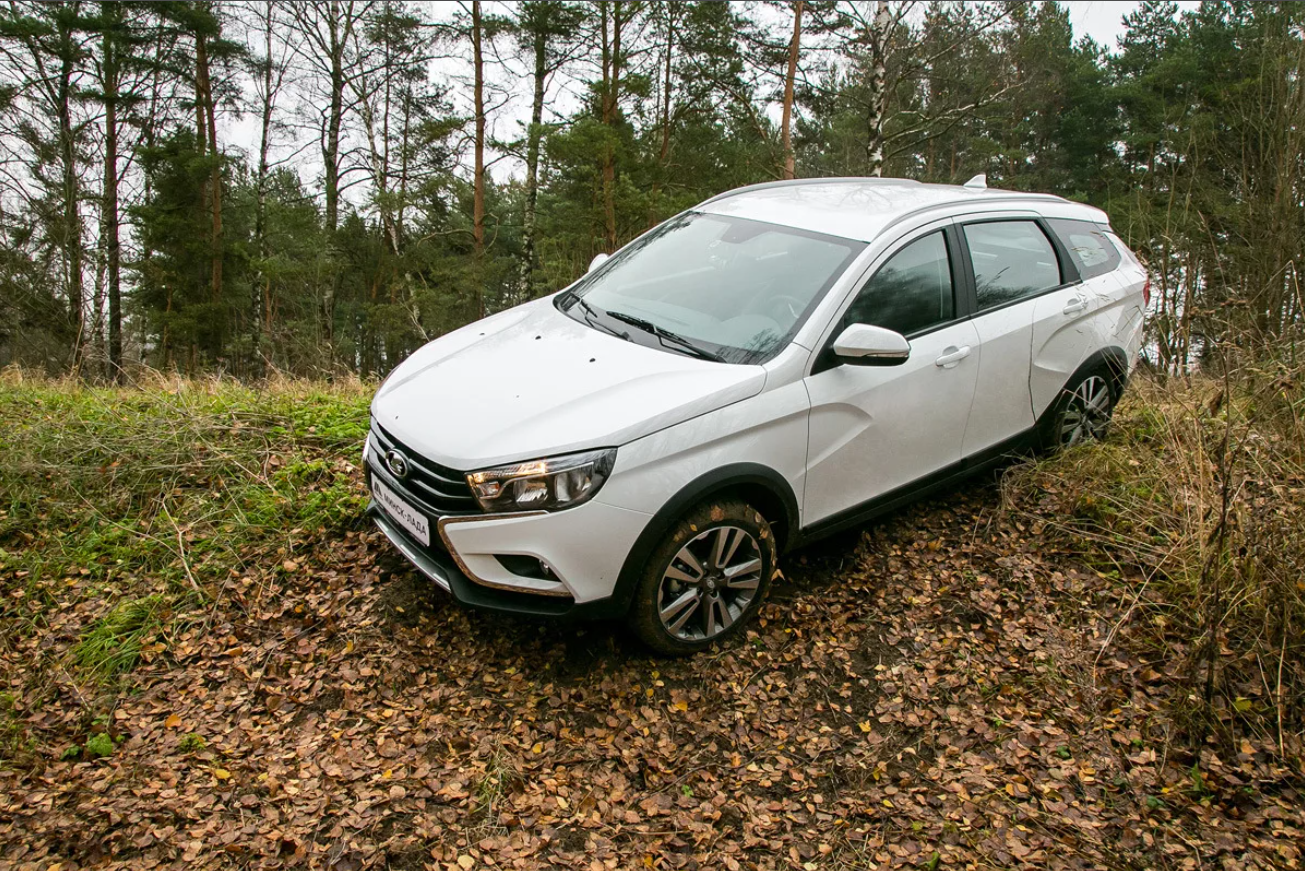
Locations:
{"points": [[136, 504], [99, 745], [191, 742], [113, 643]]}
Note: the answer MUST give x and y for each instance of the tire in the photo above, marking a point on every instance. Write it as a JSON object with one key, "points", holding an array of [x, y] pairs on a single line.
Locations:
{"points": [[1082, 411], [706, 579]]}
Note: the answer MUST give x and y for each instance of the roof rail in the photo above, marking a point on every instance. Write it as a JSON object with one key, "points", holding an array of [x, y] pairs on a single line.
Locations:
{"points": [[989, 196], [798, 182], [985, 194]]}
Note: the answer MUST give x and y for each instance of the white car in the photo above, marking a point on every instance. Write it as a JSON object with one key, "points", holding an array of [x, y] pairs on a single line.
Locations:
{"points": [[780, 362]]}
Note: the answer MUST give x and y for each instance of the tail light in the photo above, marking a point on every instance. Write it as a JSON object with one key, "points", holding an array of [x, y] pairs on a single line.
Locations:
{"points": [[1146, 292]]}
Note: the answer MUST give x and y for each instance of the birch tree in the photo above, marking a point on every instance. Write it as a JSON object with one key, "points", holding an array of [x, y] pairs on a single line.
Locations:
{"points": [[326, 36]]}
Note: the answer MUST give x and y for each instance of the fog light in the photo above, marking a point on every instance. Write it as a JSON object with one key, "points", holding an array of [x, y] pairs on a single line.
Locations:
{"points": [[526, 566]]}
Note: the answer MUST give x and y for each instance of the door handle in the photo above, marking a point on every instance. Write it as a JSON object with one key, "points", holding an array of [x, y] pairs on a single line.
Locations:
{"points": [[1076, 305], [951, 356]]}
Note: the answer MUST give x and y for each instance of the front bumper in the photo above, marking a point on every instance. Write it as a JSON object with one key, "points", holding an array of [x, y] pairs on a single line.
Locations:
{"points": [[446, 574], [584, 547]]}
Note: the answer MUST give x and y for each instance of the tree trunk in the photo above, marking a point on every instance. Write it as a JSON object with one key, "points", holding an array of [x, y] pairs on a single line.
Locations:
{"points": [[148, 130], [109, 209], [72, 221], [331, 160], [259, 285], [166, 340], [879, 33], [209, 144], [478, 182], [786, 121], [334, 120], [611, 96], [533, 140], [663, 153], [400, 215]]}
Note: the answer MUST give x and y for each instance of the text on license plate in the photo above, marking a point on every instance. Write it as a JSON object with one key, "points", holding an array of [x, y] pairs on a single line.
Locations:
{"points": [[401, 512]]}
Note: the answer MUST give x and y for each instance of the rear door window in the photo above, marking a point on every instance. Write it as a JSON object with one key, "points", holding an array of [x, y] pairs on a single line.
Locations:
{"points": [[1088, 245], [1012, 260]]}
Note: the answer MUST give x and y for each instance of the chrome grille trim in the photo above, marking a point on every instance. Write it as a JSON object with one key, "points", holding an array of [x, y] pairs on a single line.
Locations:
{"points": [[436, 489]]}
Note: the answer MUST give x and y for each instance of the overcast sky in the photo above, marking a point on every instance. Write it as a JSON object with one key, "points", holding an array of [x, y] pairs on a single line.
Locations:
{"points": [[1103, 20]]}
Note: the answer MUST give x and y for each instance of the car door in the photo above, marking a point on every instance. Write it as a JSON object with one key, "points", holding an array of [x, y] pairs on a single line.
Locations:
{"points": [[1012, 263], [874, 429], [1067, 323]]}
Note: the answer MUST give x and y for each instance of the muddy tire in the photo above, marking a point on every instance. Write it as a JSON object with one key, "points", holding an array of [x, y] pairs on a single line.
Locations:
{"points": [[706, 579]]}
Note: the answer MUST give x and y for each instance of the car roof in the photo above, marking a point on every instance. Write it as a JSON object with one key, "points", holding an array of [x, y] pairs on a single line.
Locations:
{"points": [[863, 208]]}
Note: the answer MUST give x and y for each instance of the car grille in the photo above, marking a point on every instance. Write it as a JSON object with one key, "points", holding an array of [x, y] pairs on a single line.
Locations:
{"points": [[437, 490]]}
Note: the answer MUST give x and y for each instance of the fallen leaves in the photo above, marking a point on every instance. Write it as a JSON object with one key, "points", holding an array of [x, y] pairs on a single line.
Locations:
{"points": [[919, 697]]}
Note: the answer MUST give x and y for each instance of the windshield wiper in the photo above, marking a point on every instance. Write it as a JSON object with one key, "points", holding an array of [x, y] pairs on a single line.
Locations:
{"points": [[591, 317], [666, 336]]}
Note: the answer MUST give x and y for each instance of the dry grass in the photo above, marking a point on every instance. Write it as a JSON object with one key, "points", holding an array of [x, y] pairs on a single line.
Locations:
{"points": [[877, 705], [1195, 504]]}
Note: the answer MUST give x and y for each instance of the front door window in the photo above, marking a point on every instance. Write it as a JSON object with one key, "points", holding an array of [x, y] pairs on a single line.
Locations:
{"points": [[911, 292]]}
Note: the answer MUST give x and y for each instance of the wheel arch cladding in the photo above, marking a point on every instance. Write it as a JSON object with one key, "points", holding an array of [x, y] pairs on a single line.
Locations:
{"points": [[760, 486], [1113, 359]]}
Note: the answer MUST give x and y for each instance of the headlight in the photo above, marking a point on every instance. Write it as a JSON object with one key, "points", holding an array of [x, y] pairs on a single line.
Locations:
{"points": [[542, 485]]}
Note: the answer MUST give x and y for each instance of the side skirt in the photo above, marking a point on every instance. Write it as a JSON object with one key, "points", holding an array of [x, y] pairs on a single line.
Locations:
{"points": [[926, 486]]}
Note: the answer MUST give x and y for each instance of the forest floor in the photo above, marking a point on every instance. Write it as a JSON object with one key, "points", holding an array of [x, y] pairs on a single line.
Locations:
{"points": [[252, 679]]}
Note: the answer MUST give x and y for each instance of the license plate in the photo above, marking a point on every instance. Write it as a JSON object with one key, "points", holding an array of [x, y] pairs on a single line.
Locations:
{"points": [[401, 512]]}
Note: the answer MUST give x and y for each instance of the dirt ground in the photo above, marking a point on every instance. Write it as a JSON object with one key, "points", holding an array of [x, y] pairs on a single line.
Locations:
{"points": [[943, 689]]}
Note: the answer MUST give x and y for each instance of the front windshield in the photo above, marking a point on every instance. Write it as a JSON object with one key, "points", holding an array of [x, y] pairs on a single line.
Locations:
{"points": [[712, 286]]}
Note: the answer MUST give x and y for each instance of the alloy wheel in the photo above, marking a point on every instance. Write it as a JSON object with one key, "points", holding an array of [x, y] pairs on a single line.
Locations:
{"points": [[709, 584], [1087, 413]]}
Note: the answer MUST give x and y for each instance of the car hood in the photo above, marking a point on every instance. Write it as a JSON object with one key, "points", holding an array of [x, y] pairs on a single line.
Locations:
{"points": [[531, 382]]}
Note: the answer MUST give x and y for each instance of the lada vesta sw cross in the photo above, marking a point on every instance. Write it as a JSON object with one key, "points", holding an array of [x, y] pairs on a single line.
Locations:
{"points": [[775, 364]]}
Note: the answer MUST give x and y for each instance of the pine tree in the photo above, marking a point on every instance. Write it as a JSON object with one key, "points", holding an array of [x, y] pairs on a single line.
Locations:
{"points": [[547, 32]]}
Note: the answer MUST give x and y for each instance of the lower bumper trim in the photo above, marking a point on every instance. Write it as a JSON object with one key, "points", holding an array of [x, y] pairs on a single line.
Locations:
{"points": [[450, 578], [428, 566]]}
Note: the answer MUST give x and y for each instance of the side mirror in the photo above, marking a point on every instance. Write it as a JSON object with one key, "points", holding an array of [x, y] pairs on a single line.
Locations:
{"points": [[599, 259], [864, 345]]}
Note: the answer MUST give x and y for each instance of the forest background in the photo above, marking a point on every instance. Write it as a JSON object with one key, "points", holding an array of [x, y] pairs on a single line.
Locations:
{"points": [[381, 195]]}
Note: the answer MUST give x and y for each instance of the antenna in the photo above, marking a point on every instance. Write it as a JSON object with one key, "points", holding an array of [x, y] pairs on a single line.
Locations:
{"points": [[978, 183]]}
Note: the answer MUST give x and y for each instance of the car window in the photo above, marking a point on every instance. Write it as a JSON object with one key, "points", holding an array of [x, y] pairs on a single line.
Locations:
{"points": [[1012, 260], [1088, 244], [910, 292]]}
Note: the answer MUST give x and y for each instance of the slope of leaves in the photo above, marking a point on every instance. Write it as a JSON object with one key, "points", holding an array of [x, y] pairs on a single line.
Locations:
{"points": [[940, 690]]}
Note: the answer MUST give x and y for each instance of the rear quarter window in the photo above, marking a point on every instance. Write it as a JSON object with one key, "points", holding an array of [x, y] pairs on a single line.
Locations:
{"points": [[1088, 245]]}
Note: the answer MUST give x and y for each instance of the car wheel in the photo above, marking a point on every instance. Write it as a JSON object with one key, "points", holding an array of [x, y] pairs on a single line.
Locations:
{"points": [[706, 579], [1082, 412]]}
